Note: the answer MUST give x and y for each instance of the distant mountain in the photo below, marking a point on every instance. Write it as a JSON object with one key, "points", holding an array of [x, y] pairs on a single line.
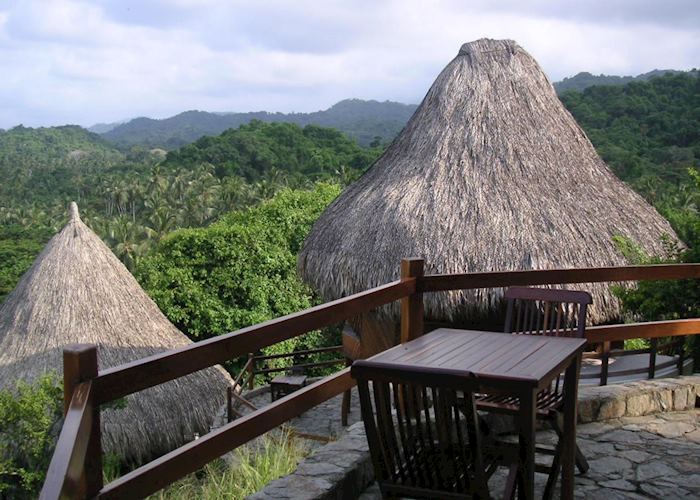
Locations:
{"points": [[584, 80], [358, 119], [361, 120], [101, 128]]}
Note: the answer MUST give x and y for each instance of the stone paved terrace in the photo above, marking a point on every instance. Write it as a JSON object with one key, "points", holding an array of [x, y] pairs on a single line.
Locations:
{"points": [[639, 448], [656, 456]]}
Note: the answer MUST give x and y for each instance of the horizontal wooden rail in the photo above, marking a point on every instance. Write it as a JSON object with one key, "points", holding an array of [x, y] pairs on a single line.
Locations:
{"points": [[632, 371], [318, 350], [193, 456], [444, 282], [66, 468], [650, 330], [120, 381], [304, 366]]}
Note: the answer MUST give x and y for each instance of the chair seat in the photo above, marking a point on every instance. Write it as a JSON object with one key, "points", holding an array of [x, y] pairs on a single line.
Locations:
{"points": [[548, 402]]}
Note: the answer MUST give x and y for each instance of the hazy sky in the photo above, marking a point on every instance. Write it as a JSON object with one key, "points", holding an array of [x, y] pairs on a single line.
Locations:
{"points": [[70, 61]]}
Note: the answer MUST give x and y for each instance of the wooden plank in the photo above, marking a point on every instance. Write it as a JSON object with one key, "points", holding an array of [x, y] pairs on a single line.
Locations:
{"points": [[649, 330], [412, 306], [65, 474], [120, 381], [193, 456], [441, 282]]}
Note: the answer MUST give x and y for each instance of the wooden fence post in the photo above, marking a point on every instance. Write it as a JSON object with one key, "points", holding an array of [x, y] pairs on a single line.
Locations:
{"points": [[412, 306], [251, 371], [605, 358], [80, 365]]}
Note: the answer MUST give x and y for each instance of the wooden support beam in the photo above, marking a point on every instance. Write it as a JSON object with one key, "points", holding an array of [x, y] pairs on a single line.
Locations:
{"points": [[412, 306]]}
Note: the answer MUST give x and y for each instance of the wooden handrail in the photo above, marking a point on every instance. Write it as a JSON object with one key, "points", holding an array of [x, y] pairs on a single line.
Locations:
{"points": [[193, 456], [445, 282], [648, 330], [65, 473], [120, 381]]}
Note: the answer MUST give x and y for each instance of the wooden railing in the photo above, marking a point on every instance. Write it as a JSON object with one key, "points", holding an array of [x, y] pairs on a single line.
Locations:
{"points": [[246, 376], [76, 470], [261, 359]]}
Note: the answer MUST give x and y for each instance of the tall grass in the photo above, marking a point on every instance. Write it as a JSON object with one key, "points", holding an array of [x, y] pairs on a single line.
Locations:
{"points": [[252, 467]]}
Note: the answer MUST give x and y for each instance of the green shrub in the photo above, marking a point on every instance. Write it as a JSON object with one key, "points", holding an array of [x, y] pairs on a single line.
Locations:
{"points": [[239, 271], [30, 420]]}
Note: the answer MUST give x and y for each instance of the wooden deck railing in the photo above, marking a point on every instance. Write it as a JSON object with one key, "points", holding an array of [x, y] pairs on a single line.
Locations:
{"points": [[76, 470]]}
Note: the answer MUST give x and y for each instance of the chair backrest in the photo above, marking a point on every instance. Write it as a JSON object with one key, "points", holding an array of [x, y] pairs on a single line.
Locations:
{"points": [[423, 436], [543, 311]]}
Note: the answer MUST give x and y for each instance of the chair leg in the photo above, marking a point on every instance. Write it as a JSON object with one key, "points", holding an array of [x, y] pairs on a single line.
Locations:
{"points": [[511, 482], [553, 474], [581, 462]]}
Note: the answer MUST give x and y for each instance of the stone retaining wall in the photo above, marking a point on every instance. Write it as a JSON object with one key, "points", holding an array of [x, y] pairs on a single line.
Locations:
{"points": [[339, 470], [635, 399], [343, 469]]}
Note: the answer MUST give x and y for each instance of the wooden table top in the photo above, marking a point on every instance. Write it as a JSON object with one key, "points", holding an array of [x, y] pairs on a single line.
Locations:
{"points": [[289, 379], [493, 357]]}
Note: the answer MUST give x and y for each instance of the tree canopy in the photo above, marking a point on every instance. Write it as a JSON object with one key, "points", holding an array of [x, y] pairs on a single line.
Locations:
{"points": [[238, 271], [258, 149]]}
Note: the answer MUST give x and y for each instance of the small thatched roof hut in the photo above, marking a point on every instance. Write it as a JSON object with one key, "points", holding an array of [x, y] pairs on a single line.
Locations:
{"points": [[77, 291], [490, 174]]}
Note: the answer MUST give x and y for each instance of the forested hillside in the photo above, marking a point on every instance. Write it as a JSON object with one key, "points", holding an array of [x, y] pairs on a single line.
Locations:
{"points": [[133, 199], [647, 132], [364, 121], [258, 149], [581, 81]]}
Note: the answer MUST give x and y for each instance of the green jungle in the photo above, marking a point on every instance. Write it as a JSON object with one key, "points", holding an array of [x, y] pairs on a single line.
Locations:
{"points": [[212, 228]]}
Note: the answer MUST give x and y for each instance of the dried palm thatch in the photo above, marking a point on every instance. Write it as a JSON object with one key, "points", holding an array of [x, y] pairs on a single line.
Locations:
{"points": [[490, 174], [77, 291]]}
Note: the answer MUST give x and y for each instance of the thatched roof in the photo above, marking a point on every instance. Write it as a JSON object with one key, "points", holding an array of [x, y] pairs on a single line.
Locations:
{"points": [[77, 291], [490, 174]]}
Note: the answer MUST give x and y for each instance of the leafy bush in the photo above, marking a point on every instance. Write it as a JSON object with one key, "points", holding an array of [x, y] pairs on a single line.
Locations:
{"points": [[30, 420], [239, 271]]}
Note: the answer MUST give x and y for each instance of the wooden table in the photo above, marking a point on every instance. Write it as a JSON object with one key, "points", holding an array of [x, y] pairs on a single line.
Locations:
{"points": [[520, 365]]}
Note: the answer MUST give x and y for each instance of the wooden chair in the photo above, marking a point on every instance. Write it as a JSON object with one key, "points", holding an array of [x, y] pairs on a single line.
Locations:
{"points": [[424, 435], [548, 312]]}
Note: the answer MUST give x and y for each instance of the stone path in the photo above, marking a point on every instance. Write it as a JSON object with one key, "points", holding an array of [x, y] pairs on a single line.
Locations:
{"points": [[322, 421], [656, 456]]}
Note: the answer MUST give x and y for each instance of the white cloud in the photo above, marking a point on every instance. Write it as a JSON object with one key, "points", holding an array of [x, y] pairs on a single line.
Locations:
{"points": [[70, 61]]}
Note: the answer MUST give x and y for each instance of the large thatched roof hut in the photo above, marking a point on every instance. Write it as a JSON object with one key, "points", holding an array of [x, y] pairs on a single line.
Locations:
{"points": [[77, 291], [490, 173]]}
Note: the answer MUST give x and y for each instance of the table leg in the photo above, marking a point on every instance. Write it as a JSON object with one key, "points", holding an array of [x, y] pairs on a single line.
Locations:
{"points": [[526, 434], [569, 436]]}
